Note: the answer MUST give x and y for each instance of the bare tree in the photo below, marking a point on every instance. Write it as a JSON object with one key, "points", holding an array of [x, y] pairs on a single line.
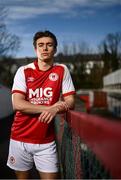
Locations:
{"points": [[8, 42], [110, 49], [84, 48], [65, 49]]}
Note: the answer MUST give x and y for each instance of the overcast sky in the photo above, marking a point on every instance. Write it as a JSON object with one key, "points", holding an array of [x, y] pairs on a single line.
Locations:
{"points": [[72, 21]]}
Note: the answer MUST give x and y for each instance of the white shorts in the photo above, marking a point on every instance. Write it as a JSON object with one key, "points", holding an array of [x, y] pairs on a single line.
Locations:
{"points": [[22, 156]]}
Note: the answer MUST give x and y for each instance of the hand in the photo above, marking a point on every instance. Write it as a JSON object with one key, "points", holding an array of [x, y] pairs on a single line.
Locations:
{"points": [[48, 115]]}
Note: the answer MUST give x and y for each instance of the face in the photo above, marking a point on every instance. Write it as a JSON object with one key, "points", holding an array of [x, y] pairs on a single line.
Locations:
{"points": [[45, 49]]}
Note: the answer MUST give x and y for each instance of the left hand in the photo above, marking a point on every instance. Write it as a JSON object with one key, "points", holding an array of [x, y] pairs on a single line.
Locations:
{"points": [[48, 115]]}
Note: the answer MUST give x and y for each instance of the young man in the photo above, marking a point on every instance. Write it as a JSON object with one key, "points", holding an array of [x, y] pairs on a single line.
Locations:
{"points": [[35, 97]]}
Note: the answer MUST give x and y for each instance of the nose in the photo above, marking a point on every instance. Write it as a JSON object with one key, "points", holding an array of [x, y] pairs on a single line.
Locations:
{"points": [[45, 47]]}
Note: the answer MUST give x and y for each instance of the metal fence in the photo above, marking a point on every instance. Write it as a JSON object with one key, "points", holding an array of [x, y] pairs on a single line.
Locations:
{"points": [[77, 159]]}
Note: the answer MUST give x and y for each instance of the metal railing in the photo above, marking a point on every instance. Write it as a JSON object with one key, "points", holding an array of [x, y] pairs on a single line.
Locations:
{"points": [[89, 146]]}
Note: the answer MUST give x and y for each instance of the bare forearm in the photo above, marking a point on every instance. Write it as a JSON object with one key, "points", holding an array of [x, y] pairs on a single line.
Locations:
{"points": [[27, 107], [70, 101], [66, 104], [71, 104], [24, 106]]}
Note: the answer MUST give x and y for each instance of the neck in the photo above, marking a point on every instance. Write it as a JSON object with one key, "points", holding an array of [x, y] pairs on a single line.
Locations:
{"points": [[43, 65]]}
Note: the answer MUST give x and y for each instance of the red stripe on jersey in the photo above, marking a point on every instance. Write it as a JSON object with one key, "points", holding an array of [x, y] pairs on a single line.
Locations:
{"points": [[69, 93], [18, 91]]}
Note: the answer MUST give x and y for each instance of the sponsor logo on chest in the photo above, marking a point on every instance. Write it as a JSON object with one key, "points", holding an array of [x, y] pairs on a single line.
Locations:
{"points": [[40, 92]]}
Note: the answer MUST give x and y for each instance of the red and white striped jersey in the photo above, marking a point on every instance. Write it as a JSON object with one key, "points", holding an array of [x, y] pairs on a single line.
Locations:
{"points": [[40, 88]]}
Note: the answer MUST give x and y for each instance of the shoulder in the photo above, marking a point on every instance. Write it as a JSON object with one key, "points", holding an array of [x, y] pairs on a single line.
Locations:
{"points": [[28, 66], [25, 67]]}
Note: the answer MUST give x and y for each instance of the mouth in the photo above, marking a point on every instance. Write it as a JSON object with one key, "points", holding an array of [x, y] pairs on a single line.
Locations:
{"points": [[45, 54]]}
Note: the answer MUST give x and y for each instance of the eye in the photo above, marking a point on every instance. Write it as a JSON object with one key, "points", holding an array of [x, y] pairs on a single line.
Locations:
{"points": [[50, 44], [40, 45]]}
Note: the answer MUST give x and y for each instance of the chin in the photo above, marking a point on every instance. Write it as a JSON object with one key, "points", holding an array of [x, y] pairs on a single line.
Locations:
{"points": [[44, 60]]}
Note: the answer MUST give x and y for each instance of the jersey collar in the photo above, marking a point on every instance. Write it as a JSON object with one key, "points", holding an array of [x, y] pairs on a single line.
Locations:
{"points": [[37, 67]]}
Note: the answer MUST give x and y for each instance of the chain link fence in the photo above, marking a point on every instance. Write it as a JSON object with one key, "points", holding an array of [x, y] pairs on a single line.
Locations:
{"points": [[77, 161]]}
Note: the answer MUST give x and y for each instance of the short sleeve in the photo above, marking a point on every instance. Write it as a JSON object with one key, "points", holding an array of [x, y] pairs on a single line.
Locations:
{"points": [[19, 84], [67, 84]]}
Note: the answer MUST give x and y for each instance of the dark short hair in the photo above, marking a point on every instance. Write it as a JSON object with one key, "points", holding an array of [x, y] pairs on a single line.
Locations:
{"points": [[41, 34]]}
